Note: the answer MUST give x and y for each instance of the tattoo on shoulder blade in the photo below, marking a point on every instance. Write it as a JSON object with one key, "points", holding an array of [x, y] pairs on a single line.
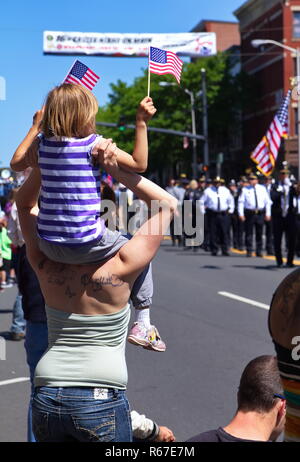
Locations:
{"points": [[98, 283], [60, 273]]}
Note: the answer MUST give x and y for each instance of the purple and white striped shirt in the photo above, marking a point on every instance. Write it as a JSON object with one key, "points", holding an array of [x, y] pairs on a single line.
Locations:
{"points": [[70, 194]]}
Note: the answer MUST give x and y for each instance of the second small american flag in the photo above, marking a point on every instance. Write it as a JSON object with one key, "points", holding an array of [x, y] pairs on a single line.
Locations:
{"points": [[80, 74], [164, 62]]}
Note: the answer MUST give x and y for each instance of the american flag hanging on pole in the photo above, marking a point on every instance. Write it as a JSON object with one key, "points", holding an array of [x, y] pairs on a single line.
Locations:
{"points": [[265, 154], [80, 74], [164, 62]]}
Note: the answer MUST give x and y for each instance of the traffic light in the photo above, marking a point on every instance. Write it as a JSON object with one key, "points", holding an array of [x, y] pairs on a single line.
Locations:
{"points": [[121, 123]]}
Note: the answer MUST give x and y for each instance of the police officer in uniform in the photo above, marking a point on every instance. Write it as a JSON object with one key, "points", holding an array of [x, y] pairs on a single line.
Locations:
{"points": [[217, 203], [203, 184], [234, 218], [254, 206], [284, 211], [177, 190], [268, 224], [173, 190], [193, 195], [241, 225]]}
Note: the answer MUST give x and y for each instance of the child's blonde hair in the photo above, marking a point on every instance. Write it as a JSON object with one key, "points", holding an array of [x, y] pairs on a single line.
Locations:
{"points": [[70, 110]]}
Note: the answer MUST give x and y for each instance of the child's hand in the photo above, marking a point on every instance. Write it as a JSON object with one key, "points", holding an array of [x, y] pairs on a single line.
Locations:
{"points": [[97, 152], [146, 110], [110, 158], [38, 118]]}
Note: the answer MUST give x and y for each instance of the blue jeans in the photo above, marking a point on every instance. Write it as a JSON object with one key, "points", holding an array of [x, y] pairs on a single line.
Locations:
{"points": [[36, 343], [18, 321], [68, 414]]}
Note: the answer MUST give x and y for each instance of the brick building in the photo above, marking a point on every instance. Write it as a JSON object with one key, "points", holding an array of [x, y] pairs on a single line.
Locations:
{"points": [[227, 32], [271, 68]]}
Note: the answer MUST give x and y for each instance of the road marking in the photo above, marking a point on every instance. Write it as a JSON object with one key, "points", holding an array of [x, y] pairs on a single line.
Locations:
{"points": [[244, 300], [19, 379]]}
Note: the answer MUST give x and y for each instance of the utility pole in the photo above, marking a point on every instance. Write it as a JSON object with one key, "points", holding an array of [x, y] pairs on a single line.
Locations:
{"points": [[205, 118], [194, 140]]}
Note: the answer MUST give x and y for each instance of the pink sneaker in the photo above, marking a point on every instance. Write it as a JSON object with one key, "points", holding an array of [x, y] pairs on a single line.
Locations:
{"points": [[138, 335], [148, 339], [155, 341]]}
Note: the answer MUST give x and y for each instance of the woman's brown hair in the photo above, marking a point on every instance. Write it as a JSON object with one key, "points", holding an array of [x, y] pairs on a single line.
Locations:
{"points": [[70, 110]]}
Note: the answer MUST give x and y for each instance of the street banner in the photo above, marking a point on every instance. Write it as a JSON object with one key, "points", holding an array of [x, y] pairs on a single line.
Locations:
{"points": [[193, 44]]}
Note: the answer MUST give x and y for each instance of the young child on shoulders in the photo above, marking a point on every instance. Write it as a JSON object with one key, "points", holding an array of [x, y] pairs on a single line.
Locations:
{"points": [[63, 143]]}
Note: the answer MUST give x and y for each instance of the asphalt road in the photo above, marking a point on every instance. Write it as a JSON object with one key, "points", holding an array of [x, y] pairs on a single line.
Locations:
{"points": [[210, 338]]}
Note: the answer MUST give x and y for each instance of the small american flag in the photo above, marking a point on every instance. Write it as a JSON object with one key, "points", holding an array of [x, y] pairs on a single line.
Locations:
{"points": [[80, 74], [266, 152], [164, 62]]}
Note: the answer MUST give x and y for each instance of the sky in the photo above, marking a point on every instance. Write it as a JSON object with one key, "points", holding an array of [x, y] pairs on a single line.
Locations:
{"points": [[29, 75]]}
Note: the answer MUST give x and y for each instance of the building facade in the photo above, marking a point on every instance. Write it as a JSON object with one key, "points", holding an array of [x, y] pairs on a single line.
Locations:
{"points": [[227, 32], [271, 68]]}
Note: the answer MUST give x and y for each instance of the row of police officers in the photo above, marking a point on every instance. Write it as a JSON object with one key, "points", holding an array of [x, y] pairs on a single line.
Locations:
{"points": [[273, 206]]}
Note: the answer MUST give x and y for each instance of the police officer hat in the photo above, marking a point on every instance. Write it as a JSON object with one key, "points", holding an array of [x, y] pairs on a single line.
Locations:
{"points": [[252, 176], [232, 183], [183, 179], [202, 179], [217, 179]]}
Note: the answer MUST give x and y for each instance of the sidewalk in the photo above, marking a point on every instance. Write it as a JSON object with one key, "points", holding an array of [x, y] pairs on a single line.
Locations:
{"points": [[14, 378]]}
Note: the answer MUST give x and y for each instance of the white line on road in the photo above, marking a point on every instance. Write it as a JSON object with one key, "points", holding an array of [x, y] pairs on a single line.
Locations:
{"points": [[19, 379], [244, 300]]}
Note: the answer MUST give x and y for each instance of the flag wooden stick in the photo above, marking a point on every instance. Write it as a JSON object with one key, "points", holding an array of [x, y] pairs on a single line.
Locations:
{"points": [[148, 83], [148, 73], [68, 71]]}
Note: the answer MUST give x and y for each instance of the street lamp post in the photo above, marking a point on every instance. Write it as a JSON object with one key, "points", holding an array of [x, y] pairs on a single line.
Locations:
{"points": [[205, 119], [194, 140], [258, 42]]}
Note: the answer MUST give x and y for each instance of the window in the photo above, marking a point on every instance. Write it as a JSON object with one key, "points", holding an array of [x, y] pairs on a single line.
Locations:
{"points": [[296, 121], [296, 24]]}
